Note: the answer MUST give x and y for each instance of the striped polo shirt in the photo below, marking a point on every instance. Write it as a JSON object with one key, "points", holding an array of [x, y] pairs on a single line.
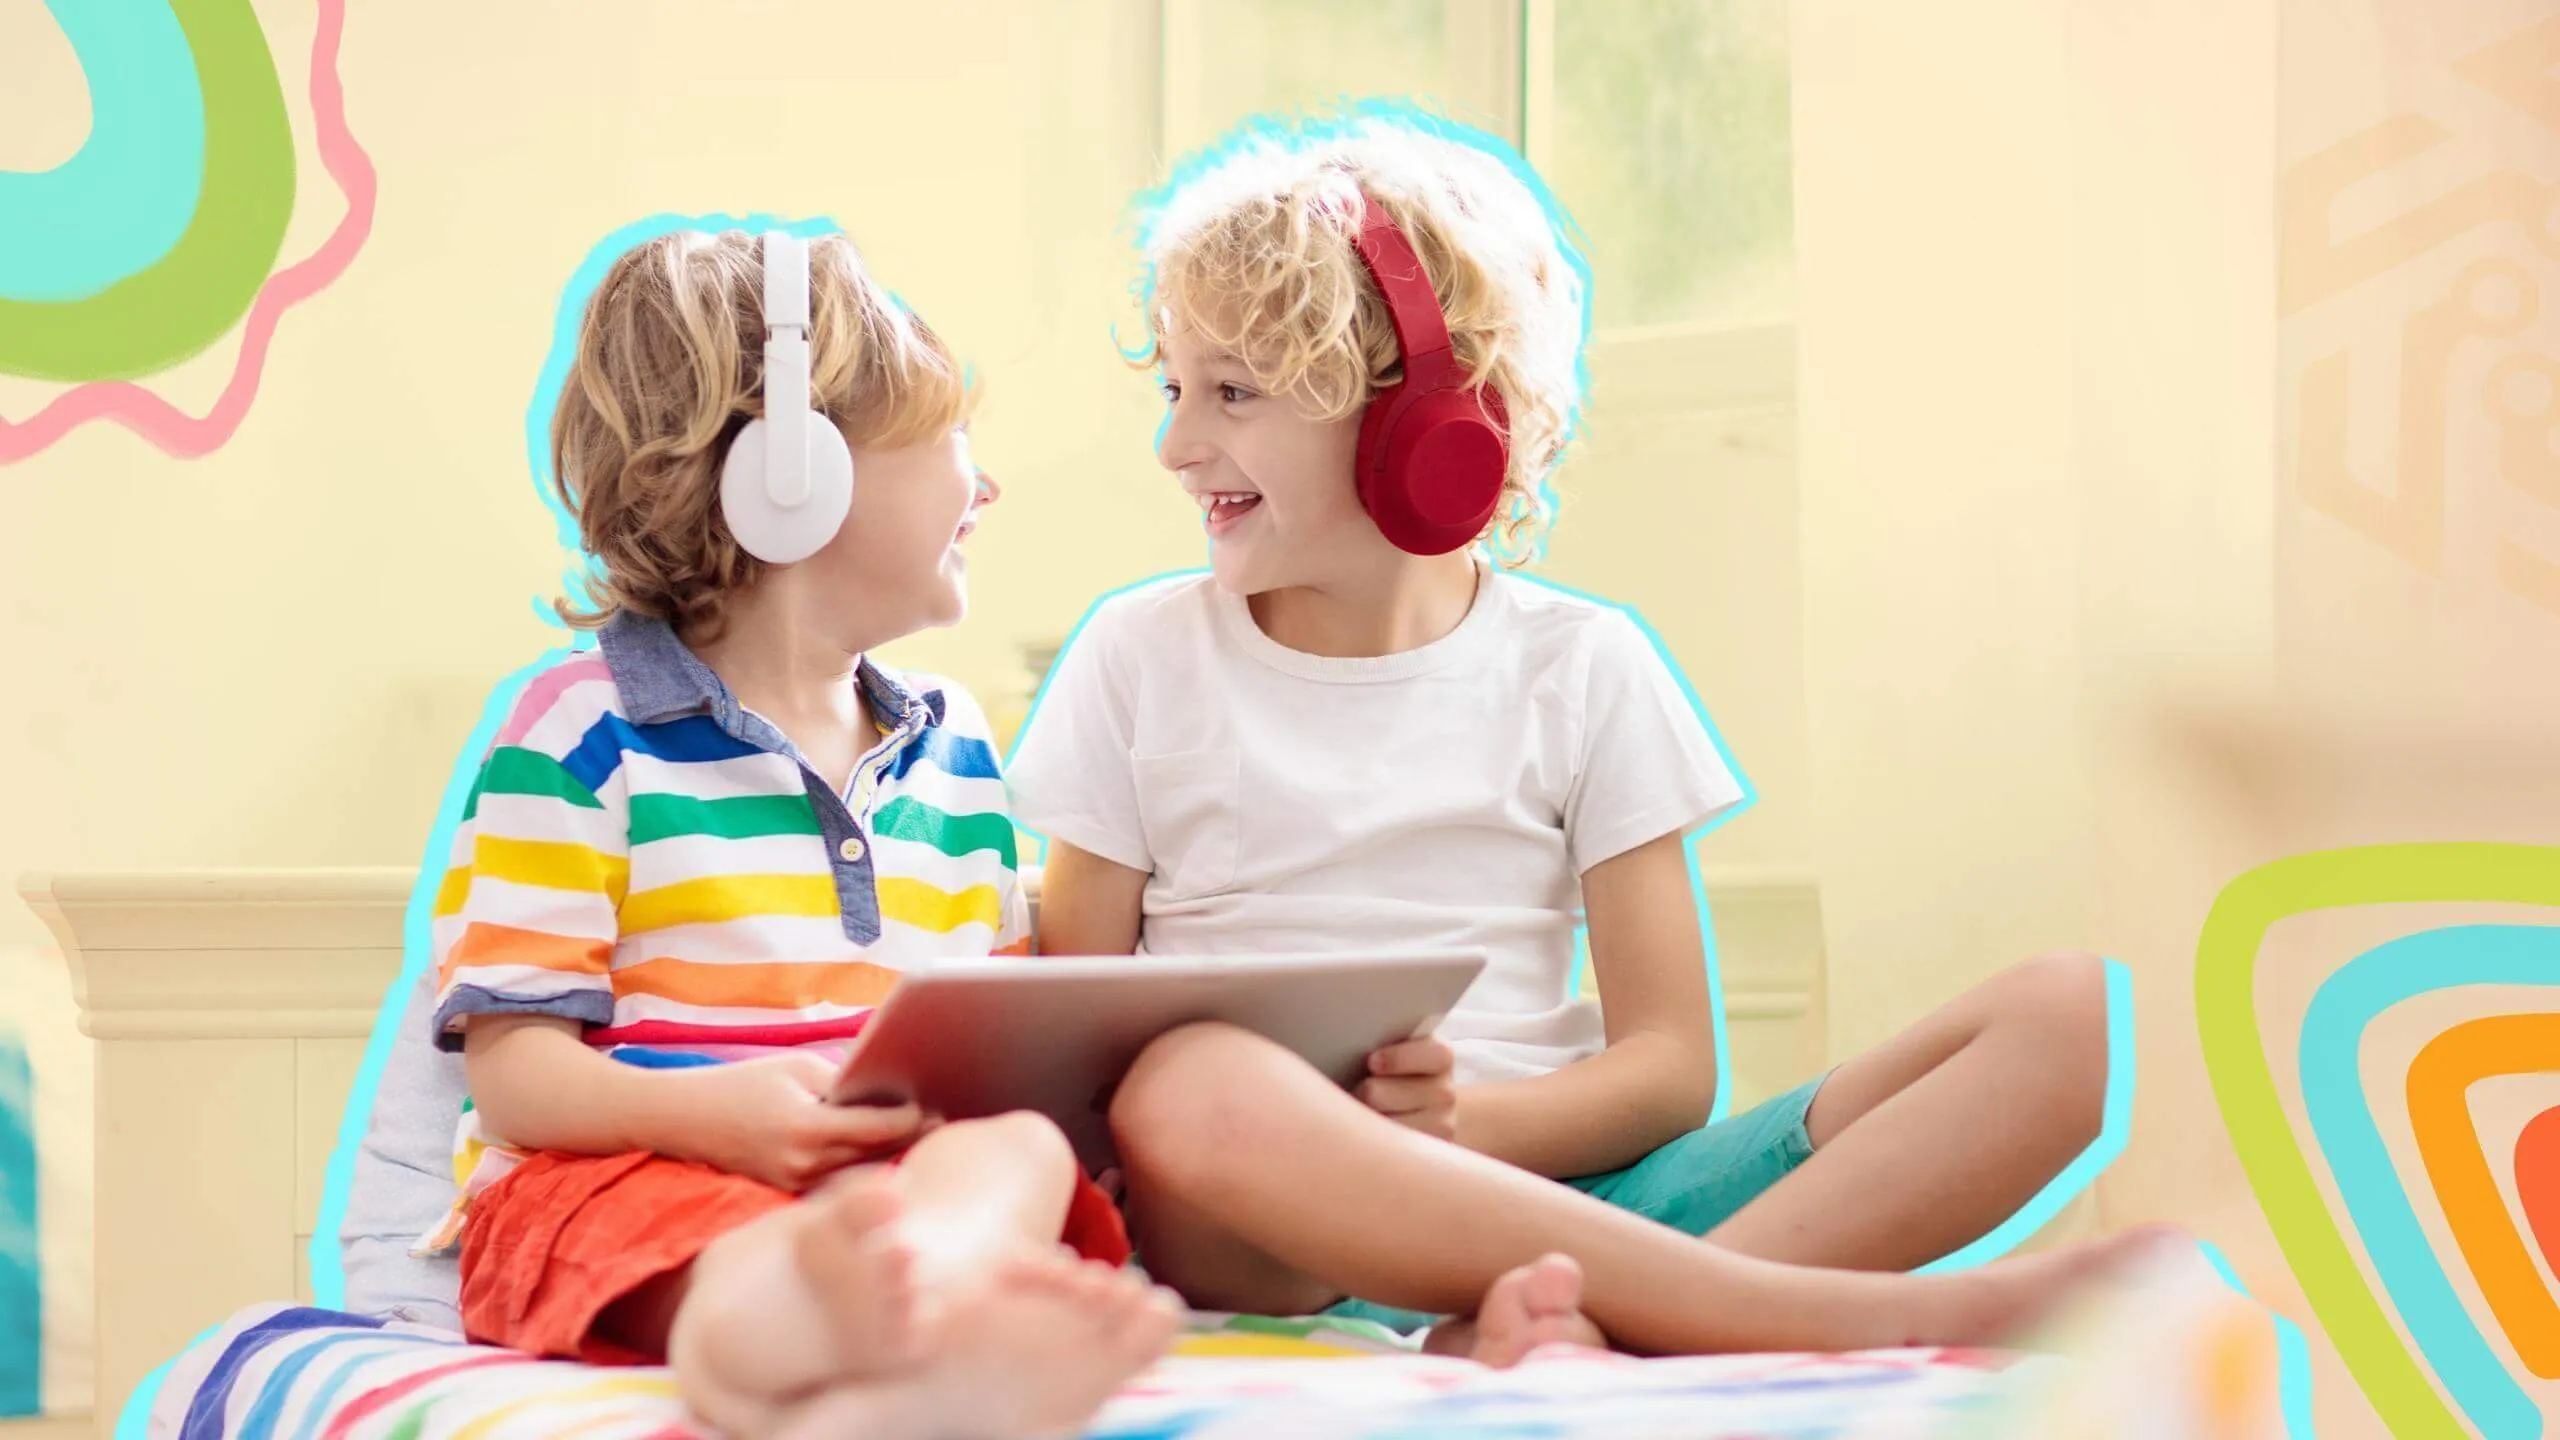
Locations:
{"points": [[645, 856]]}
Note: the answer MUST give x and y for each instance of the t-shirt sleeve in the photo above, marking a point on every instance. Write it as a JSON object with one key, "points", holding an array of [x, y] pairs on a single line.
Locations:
{"points": [[1013, 929], [963, 716], [1648, 766], [525, 919], [1071, 776]]}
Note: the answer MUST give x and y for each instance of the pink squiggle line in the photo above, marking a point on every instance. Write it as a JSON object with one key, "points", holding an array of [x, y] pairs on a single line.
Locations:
{"points": [[162, 423]]}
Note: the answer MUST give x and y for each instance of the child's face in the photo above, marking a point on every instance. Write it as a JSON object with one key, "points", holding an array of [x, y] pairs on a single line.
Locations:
{"points": [[897, 561], [1280, 502]]}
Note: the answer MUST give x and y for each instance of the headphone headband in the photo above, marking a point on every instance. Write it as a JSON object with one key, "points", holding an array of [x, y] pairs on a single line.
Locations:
{"points": [[786, 368], [1433, 449], [1413, 308], [788, 477]]}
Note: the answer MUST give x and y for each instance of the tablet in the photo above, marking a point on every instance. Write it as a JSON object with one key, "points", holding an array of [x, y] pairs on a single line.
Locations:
{"points": [[969, 1038]]}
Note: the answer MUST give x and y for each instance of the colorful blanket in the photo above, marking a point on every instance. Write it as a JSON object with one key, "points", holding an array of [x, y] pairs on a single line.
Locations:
{"points": [[2177, 1365]]}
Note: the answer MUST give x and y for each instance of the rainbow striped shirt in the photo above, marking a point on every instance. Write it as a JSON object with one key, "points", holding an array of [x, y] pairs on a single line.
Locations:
{"points": [[645, 856]]}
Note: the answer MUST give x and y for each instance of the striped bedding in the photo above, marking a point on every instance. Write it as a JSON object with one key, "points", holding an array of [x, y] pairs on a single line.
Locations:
{"points": [[2166, 1364], [282, 1373]]}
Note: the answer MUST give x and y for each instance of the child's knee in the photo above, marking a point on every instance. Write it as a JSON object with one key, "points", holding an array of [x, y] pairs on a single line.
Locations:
{"points": [[2065, 990], [1187, 1095], [2060, 1000], [1025, 1138]]}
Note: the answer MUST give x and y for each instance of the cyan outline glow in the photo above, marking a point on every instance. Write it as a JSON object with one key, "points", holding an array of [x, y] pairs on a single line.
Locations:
{"points": [[565, 320], [1300, 130], [1697, 890], [2084, 1169], [2341, 1118], [328, 1269], [137, 1407], [1294, 131], [2293, 1353], [328, 1272], [2262, 1129]]}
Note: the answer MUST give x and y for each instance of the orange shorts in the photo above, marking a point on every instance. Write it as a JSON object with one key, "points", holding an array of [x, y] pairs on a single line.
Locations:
{"points": [[549, 1248]]}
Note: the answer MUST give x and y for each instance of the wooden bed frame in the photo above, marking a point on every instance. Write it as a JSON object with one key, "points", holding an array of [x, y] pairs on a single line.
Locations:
{"points": [[231, 1011]]}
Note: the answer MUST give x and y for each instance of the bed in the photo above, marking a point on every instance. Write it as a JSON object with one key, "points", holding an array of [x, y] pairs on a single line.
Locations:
{"points": [[231, 1012]]}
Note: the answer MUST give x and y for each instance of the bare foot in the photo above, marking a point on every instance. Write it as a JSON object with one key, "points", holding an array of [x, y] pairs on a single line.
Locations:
{"points": [[1033, 1349], [808, 1296], [2005, 1301], [1537, 1304], [863, 1273]]}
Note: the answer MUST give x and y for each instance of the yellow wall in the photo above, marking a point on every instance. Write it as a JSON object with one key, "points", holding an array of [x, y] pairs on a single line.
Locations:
{"points": [[2015, 602], [270, 655], [2084, 641]]}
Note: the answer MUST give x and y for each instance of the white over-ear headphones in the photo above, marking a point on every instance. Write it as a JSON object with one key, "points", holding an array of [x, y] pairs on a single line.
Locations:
{"points": [[788, 478]]}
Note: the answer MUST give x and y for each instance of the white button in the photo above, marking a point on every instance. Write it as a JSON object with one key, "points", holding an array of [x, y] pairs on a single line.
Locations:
{"points": [[851, 849]]}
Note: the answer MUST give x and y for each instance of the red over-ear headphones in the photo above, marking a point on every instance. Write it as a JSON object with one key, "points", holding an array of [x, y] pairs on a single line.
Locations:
{"points": [[1432, 451]]}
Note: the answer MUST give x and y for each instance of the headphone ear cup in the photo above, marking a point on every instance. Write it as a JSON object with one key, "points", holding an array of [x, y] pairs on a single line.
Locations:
{"points": [[1431, 466], [785, 534]]}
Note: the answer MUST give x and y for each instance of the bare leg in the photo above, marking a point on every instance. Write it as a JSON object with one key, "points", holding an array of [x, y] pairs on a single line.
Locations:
{"points": [[785, 1304], [928, 1300], [1045, 1344], [1926, 1142], [1272, 1170], [979, 1189]]}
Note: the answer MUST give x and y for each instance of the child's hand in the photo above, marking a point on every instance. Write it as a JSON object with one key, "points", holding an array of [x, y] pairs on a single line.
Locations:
{"points": [[1411, 1083], [770, 1120]]}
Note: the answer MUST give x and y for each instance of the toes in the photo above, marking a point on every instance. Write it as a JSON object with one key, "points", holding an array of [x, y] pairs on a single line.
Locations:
{"points": [[871, 1260], [1552, 1286], [1507, 1293], [1097, 1281], [1040, 1273], [859, 1204]]}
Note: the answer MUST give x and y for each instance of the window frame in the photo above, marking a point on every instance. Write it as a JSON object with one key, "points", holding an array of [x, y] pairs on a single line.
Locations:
{"points": [[1501, 61]]}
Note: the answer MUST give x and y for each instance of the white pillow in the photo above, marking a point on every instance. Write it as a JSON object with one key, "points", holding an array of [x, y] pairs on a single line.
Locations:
{"points": [[36, 1011]]}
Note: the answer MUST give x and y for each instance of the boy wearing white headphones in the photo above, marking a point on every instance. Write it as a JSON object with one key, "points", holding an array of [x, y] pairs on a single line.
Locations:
{"points": [[1354, 731], [698, 855]]}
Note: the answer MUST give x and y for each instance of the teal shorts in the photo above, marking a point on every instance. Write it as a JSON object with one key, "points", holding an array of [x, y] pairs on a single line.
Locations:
{"points": [[1692, 1184]]}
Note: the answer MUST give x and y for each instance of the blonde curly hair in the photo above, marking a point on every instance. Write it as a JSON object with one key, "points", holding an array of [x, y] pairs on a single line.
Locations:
{"points": [[669, 366], [1250, 246]]}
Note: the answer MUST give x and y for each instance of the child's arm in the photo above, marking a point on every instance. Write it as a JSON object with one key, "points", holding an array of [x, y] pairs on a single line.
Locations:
{"points": [[1652, 1085], [525, 924], [536, 1083], [1070, 783], [1088, 905], [1649, 774], [1656, 1080]]}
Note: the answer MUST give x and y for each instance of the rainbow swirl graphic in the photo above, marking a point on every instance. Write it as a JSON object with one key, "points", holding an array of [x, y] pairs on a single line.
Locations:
{"points": [[161, 235], [2444, 1337]]}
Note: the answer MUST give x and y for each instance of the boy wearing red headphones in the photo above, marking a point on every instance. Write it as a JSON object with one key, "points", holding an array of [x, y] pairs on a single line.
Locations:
{"points": [[1359, 728]]}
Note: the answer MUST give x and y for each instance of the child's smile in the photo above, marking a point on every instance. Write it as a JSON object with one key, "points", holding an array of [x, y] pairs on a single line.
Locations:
{"points": [[1223, 510], [1273, 483]]}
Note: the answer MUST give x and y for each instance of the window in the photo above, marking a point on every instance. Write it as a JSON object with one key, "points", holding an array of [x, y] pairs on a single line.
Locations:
{"points": [[1662, 126], [1234, 58], [1667, 139]]}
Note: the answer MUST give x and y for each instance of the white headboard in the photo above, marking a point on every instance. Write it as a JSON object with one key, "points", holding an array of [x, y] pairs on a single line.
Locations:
{"points": [[231, 1011]]}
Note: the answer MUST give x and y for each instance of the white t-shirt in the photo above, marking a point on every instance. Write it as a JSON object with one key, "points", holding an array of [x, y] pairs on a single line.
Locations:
{"points": [[1448, 796]]}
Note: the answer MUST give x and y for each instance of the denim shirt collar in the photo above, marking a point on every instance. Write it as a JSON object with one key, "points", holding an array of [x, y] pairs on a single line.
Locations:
{"points": [[660, 678]]}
